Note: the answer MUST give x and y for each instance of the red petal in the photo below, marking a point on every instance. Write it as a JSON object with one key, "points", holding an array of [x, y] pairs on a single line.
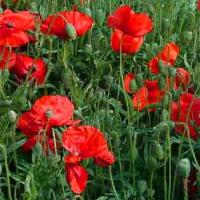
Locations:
{"points": [[56, 24], [170, 53], [29, 144], [22, 20], [86, 141], [119, 17], [128, 43], [24, 64], [127, 81], [139, 24], [76, 177], [182, 77], [140, 98], [7, 59], [61, 107], [105, 158]]}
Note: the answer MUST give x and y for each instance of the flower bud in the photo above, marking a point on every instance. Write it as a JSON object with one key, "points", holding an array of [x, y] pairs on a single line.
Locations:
{"points": [[164, 115], [100, 17], [88, 11], [142, 186], [183, 167], [157, 151], [164, 126], [161, 83], [71, 31], [12, 116], [139, 80]]}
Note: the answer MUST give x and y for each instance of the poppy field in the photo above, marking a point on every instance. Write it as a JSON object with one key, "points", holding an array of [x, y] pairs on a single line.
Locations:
{"points": [[99, 100]]}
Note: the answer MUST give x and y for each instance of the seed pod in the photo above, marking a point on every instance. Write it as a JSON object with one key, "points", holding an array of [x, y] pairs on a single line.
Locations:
{"points": [[142, 186], [164, 115], [49, 113], [12, 116], [139, 80], [100, 17], [157, 151], [183, 167], [71, 31]]}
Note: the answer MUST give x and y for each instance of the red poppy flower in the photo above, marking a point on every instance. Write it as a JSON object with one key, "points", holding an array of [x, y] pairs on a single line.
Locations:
{"points": [[7, 58], [128, 43], [56, 24], [84, 142], [14, 27], [167, 56], [149, 94], [127, 82], [36, 68], [129, 22], [182, 77], [198, 5], [47, 112], [186, 111]]}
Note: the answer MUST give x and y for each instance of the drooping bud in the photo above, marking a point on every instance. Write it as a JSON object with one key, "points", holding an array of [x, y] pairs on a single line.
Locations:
{"points": [[71, 31], [100, 17], [12, 116], [142, 186], [183, 167], [157, 151], [88, 11]]}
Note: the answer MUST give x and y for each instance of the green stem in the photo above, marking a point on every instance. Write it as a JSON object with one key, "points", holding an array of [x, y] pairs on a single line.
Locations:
{"points": [[112, 184], [7, 171]]}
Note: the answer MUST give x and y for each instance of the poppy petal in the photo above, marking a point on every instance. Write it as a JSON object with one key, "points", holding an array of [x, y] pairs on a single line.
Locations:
{"points": [[76, 177]]}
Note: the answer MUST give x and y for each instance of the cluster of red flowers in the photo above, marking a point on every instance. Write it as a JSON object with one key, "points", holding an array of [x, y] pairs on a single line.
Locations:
{"points": [[15, 31], [184, 111], [129, 29], [81, 142]]}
